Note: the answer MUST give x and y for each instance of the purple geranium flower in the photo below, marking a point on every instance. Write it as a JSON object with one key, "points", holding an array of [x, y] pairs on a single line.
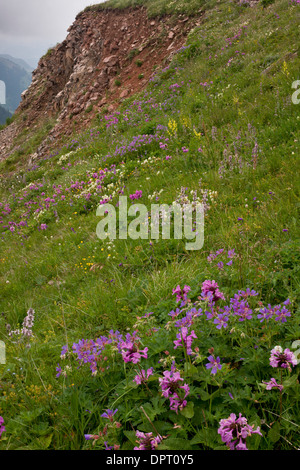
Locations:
{"points": [[109, 414], [221, 321], [213, 364]]}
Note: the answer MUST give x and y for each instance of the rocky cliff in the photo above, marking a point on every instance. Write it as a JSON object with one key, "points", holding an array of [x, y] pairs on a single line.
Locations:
{"points": [[107, 56]]}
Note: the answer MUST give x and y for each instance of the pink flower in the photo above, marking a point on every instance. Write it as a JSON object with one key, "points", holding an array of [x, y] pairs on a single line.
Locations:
{"points": [[142, 377], [147, 441], [210, 290], [131, 353], [171, 388], [185, 340], [273, 384], [280, 358], [234, 431], [181, 294]]}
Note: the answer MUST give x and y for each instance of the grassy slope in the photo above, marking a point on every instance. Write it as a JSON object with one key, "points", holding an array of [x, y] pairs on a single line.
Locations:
{"points": [[154, 7], [81, 287]]}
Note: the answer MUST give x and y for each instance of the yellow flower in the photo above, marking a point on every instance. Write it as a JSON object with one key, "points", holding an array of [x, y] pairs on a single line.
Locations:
{"points": [[172, 127], [285, 69], [197, 134]]}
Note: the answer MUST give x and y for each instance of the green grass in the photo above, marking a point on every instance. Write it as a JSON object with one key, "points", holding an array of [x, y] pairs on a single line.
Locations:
{"points": [[155, 7]]}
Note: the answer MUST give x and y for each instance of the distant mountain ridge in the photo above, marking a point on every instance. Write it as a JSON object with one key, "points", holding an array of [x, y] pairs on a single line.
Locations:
{"points": [[22, 63], [16, 79]]}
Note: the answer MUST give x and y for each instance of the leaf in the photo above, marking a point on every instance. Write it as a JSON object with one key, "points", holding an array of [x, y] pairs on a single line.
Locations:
{"points": [[131, 436], [274, 433], [203, 394], [188, 410], [289, 382], [205, 436], [45, 441], [190, 370], [174, 444]]}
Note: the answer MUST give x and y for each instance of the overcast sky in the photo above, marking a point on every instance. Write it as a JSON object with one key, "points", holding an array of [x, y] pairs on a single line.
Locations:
{"points": [[29, 27]]}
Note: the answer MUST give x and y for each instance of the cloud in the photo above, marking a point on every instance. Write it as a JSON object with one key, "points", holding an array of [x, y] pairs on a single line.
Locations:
{"points": [[31, 26]]}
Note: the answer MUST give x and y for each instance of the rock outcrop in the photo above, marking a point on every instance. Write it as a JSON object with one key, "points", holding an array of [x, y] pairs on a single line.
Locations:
{"points": [[107, 56]]}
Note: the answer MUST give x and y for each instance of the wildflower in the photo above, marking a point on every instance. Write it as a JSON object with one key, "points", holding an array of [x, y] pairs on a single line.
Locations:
{"points": [[171, 388], [185, 340], [273, 384], [210, 289], [281, 314], [181, 294], [136, 195], [221, 321], [242, 309], [64, 351], [175, 313], [109, 414], [26, 331], [130, 351], [265, 314], [58, 370], [147, 441], [2, 428], [213, 364], [234, 431], [280, 358], [142, 377], [91, 437]]}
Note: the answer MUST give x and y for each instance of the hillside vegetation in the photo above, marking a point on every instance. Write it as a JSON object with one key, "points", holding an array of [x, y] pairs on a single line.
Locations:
{"points": [[143, 343]]}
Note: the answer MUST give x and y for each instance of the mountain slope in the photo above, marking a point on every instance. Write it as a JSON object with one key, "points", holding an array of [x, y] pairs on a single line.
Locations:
{"points": [[107, 56]]}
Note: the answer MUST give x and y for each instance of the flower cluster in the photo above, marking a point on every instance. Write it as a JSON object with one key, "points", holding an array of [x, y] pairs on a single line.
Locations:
{"points": [[170, 385], [280, 358], [143, 376], [26, 330], [211, 292], [136, 195], [185, 340], [147, 441], [230, 255], [181, 294], [280, 313], [130, 349], [234, 431]]}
